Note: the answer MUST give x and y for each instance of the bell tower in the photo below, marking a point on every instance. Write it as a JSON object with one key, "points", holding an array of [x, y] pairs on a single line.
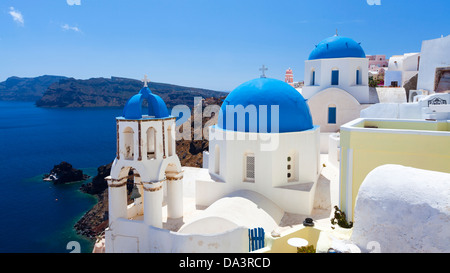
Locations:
{"points": [[289, 77], [145, 154]]}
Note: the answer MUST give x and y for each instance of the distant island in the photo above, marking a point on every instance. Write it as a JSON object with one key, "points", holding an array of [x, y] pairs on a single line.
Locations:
{"points": [[59, 91], [26, 89]]}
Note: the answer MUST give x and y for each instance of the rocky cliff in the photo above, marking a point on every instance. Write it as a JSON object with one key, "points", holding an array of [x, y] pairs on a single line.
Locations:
{"points": [[103, 92], [26, 89]]}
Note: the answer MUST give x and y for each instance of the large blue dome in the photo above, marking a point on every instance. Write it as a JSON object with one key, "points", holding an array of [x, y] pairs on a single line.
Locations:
{"points": [[293, 111], [337, 47]]}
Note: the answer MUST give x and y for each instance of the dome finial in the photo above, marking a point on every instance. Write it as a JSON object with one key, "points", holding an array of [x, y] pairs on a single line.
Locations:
{"points": [[263, 69], [145, 80]]}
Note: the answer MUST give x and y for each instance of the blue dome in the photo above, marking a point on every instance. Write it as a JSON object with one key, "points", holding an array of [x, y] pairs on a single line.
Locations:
{"points": [[337, 47], [156, 106], [293, 115]]}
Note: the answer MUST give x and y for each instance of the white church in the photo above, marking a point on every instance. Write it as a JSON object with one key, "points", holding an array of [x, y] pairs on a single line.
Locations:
{"points": [[336, 82], [263, 161]]}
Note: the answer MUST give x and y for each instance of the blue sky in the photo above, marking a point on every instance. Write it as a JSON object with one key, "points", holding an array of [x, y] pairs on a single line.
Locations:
{"points": [[215, 44]]}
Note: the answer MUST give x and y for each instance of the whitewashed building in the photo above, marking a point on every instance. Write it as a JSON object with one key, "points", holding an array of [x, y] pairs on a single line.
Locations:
{"points": [[250, 150], [336, 84], [401, 68], [434, 72]]}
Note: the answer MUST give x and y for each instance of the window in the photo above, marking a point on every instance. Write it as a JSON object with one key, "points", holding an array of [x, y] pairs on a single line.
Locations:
{"points": [[151, 143], [313, 77], [128, 135], [332, 114], [335, 77], [358, 77], [250, 168], [170, 142], [217, 159], [290, 168]]}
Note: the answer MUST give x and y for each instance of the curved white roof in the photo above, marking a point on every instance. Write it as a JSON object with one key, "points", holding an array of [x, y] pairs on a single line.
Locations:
{"points": [[239, 209]]}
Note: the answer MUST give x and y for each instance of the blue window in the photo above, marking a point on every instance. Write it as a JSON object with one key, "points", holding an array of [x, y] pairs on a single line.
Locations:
{"points": [[313, 78], [357, 77], [335, 77], [332, 115]]}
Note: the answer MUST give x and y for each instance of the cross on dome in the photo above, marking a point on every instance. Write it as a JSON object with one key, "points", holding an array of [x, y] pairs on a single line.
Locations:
{"points": [[263, 69], [146, 81]]}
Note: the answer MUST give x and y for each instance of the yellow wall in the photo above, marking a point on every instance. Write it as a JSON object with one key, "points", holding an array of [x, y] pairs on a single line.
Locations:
{"points": [[371, 149], [280, 245]]}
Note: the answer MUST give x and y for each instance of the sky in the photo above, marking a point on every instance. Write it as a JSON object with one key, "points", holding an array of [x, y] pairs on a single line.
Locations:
{"points": [[213, 44]]}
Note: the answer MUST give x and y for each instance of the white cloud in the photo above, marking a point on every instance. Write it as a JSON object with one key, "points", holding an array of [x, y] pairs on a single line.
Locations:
{"points": [[67, 27], [16, 15], [73, 2]]}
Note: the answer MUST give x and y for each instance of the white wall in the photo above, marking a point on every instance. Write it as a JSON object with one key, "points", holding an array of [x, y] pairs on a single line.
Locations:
{"points": [[434, 53], [347, 109], [134, 236], [270, 166], [334, 149], [415, 110], [347, 77], [391, 94], [391, 76]]}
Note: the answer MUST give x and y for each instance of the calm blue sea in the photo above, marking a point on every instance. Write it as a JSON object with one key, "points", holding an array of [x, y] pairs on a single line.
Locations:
{"points": [[37, 216]]}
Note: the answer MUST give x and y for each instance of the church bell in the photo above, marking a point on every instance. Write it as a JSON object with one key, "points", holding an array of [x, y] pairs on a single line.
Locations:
{"points": [[135, 192]]}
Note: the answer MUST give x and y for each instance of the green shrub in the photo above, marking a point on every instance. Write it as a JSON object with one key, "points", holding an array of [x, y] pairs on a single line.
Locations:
{"points": [[306, 249], [340, 219]]}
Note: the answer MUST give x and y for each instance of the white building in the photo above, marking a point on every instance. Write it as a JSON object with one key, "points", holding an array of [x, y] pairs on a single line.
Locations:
{"points": [[255, 152], [336, 84], [262, 166], [337, 62], [401, 68], [434, 72], [431, 99]]}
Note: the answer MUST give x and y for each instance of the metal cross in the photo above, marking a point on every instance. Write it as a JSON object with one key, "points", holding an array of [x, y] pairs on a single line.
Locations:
{"points": [[146, 81], [263, 69]]}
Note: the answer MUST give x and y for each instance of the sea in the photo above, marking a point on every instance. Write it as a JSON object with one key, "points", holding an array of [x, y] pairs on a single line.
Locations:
{"points": [[37, 216]]}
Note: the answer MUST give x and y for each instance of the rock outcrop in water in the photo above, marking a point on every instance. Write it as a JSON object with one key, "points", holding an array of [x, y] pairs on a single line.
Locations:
{"points": [[65, 173]]}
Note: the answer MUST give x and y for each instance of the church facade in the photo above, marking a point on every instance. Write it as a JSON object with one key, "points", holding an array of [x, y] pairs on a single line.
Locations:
{"points": [[336, 82], [280, 161]]}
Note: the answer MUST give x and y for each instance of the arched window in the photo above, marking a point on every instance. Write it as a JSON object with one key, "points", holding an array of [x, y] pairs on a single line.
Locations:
{"points": [[313, 77], [151, 143], [331, 114], [217, 159], [249, 167], [170, 141], [335, 76], [128, 149]]}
